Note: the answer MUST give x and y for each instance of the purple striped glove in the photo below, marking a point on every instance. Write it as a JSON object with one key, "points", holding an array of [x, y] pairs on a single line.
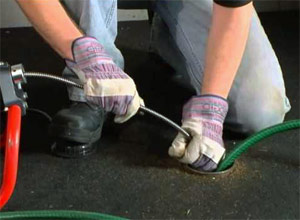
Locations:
{"points": [[203, 117], [105, 84]]}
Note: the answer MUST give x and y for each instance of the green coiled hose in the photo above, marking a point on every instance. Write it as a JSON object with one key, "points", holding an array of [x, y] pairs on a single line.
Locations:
{"points": [[252, 140], [57, 214]]}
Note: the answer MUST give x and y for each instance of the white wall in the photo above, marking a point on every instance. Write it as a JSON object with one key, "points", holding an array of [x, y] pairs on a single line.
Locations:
{"points": [[12, 16]]}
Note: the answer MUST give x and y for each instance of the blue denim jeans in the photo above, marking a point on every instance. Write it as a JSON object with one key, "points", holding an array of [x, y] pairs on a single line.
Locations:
{"points": [[257, 98]]}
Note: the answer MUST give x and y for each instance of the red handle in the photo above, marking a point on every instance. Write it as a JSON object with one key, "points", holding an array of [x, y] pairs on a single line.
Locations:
{"points": [[12, 140]]}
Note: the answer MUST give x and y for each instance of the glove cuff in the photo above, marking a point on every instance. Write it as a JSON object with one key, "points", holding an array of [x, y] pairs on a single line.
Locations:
{"points": [[210, 107], [86, 47]]}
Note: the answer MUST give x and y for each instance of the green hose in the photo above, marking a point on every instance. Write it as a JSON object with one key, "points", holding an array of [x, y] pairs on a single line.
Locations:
{"points": [[228, 161], [249, 142], [57, 214]]}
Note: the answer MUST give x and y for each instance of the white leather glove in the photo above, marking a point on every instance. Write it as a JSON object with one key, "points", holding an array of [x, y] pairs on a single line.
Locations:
{"points": [[105, 84], [203, 118]]}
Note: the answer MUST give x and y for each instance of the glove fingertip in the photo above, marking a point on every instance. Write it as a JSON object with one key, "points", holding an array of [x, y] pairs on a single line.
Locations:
{"points": [[142, 103], [120, 119], [177, 148], [176, 153]]}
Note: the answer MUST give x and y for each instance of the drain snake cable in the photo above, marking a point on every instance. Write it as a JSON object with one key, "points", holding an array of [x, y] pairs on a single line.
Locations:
{"points": [[230, 157], [224, 164]]}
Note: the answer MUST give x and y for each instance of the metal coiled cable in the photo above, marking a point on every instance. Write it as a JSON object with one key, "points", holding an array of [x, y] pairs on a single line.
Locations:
{"points": [[230, 158], [142, 108], [53, 77]]}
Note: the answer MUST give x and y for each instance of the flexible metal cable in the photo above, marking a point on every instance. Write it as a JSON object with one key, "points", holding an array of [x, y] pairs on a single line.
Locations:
{"points": [[232, 156], [35, 110], [170, 122], [53, 77], [142, 108]]}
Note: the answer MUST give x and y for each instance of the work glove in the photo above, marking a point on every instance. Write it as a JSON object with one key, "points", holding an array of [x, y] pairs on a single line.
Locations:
{"points": [[105, 84], [203, 118]]}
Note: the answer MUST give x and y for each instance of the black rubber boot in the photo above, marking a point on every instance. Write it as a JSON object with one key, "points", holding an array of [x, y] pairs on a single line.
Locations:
{"points": [[76, 129]]}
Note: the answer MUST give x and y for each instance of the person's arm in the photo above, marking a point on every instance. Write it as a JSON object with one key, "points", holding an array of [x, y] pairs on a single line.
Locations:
{"points": [[225, 47], [203, 116], [105, 84], [52, 22]]}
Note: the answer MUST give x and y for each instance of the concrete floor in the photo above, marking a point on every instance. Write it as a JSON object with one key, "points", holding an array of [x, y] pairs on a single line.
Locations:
{"points": [[131, 174]]}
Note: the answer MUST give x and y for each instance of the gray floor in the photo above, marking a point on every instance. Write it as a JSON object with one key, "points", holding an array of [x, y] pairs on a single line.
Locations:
{"points": [[131, 174]]}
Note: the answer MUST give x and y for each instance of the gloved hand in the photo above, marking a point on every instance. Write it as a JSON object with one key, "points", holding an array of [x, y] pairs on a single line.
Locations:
{"points": [[105, 84], [203, 118]]}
